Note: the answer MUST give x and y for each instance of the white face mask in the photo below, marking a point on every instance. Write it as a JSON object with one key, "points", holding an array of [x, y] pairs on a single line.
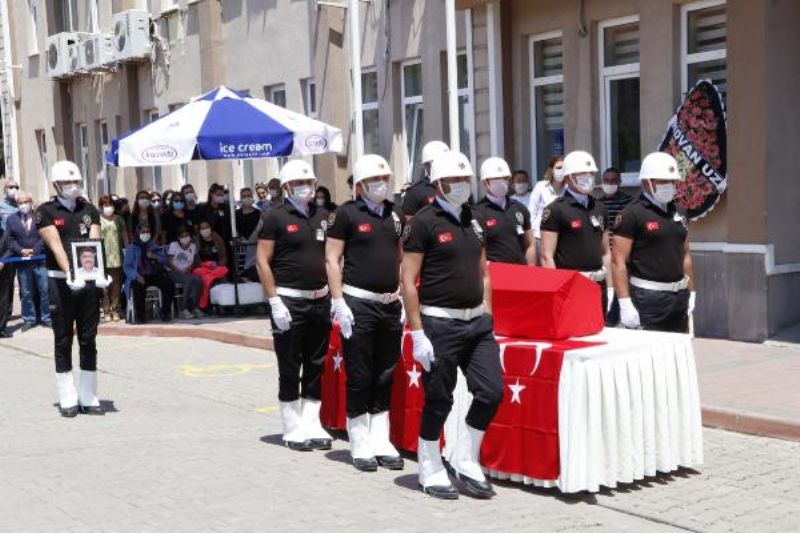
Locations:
{"points": [[498, 188], [185, 241], [302, 194], [377, 191], [108, 210], [520, 188], [584, 183], [320, 202], [12, 193], [558, 175], [156, 203], [144, 203], [24, 208], [247, 202], [459, 193], [274, 194], [190, 196], [664, 193], [70, 192], [144, 237], [205, 232], [609, 189]]}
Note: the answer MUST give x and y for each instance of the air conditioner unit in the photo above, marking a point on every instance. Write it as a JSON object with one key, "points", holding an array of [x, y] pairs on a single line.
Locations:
{"points": [[60, 53], [96, 52], [131, 35]]}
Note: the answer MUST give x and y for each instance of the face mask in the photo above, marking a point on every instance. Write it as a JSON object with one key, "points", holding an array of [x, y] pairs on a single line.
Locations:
{"points": [[498, 188], [302, 193], [108, 210], [12, 193], [144, 237], [459, 193], [156, 203], [274, 194], [190, 197], [558, 174], [178, 205], [25, 208], [377, 191], [225, 197], [70, 192], [320, 202], [584, 183], [185, 241], [664, 193], [610, 190], [206, 232], [247, 202], [144, 203], [219, 199], [520, 188]]}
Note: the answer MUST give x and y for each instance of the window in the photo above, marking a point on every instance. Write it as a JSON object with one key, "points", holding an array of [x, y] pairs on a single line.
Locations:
{"points": [[276, 94], [413, 116], [83, 148], [547, 99], [703, 44], [310, 98], [71, 11], [466, 116], [33, 27], [370, 115], [69, 15], [104, 145], [619, 96], [41, 140]]}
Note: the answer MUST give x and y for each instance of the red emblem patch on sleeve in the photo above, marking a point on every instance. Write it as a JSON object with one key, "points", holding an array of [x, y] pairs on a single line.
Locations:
{"points": [[430, 199], [292, 228], [58, 222], [653, 226], [492, 222], [576, 224], [364, 228], [444, 238]]}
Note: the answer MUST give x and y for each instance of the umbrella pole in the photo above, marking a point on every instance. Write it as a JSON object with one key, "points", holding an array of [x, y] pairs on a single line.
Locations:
{"points": [[234, 247]]}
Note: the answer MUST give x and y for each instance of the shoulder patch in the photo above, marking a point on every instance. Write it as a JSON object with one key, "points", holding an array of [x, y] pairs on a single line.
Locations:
{"points": [[331, 218], [546, 214], [520, 217], [617, 219], [37, 217], [406, 232]]}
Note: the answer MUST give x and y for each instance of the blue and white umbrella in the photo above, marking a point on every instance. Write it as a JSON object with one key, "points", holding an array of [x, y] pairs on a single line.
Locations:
{"points": [[224, 124]]}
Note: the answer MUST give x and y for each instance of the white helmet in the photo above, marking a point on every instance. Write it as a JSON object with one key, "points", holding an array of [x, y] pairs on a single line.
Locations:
{"points": [[369, 166], [495, 167], [450, 165], [65, 171], [296, 170], [659, 166], [432, 150], [578, 162]]}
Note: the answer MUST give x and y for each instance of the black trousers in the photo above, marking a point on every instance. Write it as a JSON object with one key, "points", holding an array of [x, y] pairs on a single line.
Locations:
{"points": [[472, 347], [167, 288], [371, 355], [603, 297], [6, 294], [81, 308], [662, 310], [302, 348]]}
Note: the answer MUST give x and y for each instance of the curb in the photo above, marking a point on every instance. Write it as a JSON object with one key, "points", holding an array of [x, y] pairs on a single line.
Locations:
{"points": [[194, 332], [750, 423]]}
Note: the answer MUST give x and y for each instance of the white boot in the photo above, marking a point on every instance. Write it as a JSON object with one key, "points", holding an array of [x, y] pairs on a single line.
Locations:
{"points": [[293, 435], [433, 478], [466, 461], [87, 397], [385, 452], [67, 395], [320, 439], [360, 447]]}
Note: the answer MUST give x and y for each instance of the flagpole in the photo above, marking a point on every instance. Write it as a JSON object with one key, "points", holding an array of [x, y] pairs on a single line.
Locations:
{"points": [[355, 72], [452, 74]]}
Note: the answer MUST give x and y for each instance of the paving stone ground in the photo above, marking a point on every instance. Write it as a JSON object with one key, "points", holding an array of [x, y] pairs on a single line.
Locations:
{"points": [[192, 444]]}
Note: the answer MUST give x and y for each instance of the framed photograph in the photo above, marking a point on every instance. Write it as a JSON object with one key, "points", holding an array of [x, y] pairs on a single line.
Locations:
{"points": [[87, 260]]}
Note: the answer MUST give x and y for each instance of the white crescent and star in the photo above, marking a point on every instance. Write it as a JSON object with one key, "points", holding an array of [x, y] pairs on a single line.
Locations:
{"points": [[516, 389], [337, 362], [413, 377]]}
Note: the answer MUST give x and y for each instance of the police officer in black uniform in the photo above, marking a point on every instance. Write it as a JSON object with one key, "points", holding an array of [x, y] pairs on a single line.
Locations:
{"points": [[509, 237], [574, 232], [291, 265], [366, 232], [653, 269], [68, 218], [451, 325], [422, 192]]}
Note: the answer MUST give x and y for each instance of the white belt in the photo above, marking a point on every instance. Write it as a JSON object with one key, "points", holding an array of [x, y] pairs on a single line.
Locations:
{"points": [[57, 274], [456, 314], [596, 275], [659, 285], [381, 298], [306, 295]]}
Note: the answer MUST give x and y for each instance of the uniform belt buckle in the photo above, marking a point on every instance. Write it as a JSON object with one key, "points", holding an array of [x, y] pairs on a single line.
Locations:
{"points": [[468, 314], [386, 298], [317, 294]]}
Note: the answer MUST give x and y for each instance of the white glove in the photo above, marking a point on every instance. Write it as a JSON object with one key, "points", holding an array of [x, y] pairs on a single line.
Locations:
{"points": [[280, 314], [610, 298], [75, 284], [628, 314], [402, 313], [344, 316], [423, 349], [692, 300], [103, 283]]}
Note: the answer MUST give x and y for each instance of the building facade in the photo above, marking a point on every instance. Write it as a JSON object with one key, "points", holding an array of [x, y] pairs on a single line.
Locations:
{"points": [[534, 78]]}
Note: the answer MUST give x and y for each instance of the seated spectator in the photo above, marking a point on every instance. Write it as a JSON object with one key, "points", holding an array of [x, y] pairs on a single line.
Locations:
{"points": [[24, 241], [213, 258], [193, 211], [156, 202], [261, 195], [247, 216], [323, 199], [175, 218], [115, 239], [145, 266], [217, 212], [123, 209], [144, 213], [182, 258]]}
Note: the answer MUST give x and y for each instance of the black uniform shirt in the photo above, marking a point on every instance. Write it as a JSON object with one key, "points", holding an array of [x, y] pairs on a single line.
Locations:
{"points": [[658, 239], [505, 230], [418, 196], [372, 245], [580, 232], [71, 225], [298, 261], [451, 269]]}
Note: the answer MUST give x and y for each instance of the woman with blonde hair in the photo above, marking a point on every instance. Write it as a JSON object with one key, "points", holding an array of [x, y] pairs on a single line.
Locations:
{"points": [[544, 192]]}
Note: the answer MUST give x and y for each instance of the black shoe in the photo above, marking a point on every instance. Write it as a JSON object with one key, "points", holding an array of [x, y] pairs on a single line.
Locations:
{"points": [[390, 462], [5, 335], [475, 488], [27, 326], [47, 324], [95, 410], [366, 465], [443, 492], [321, 444], [302, 446], [68, 412]]}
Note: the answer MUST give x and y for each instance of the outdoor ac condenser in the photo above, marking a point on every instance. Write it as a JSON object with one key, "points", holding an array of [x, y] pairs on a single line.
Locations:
{"points": [[96, 52], [131, 35], [61, 51]]}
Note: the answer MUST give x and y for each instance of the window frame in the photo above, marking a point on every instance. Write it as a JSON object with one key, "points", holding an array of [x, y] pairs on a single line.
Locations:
{"points": [[104, 145], [82, 131], [405, 101], [372, 105], [605, 76], [469, 108], [535, 83], [688, 59], [309, 100], [33, 28], [41, 141]]}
